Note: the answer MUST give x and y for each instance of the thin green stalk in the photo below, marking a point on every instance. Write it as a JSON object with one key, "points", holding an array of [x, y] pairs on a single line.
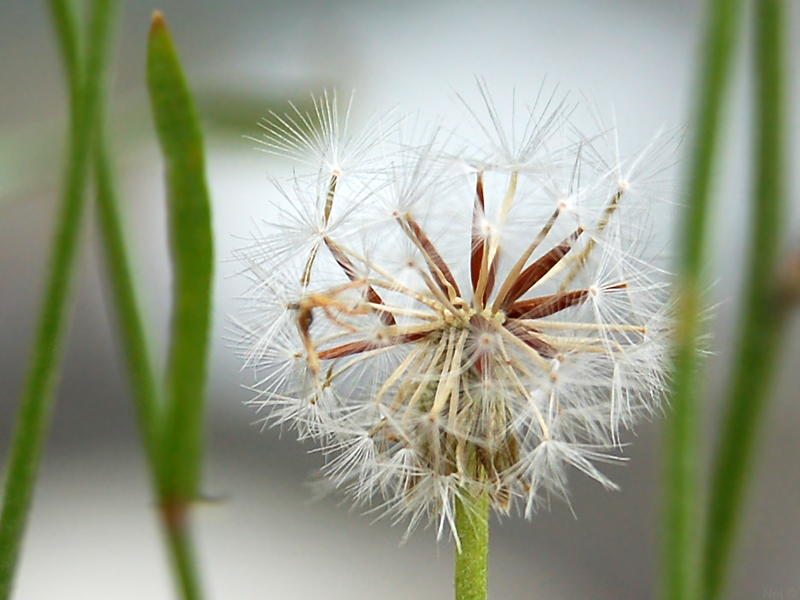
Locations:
{"points": [[175, 519], [764, 316], [37, 399], [180, 449], [140, 370], [679, 560], [143, 383], [472, 560], [65, 20], [134, 341]]}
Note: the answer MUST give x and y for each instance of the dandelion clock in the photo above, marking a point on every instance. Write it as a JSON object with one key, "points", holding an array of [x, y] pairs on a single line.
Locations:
{"points": [[456, 323]]}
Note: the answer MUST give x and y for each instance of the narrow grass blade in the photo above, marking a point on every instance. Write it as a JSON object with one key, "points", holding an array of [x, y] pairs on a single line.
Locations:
{"points": [[65, 21], [37, 400], [134, 340], [681, 502], [192, 259], [764, 315]]}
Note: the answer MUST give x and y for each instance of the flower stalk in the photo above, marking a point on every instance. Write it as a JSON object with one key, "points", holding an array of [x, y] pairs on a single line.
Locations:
{"points": [[472, 548], [455, 326]]}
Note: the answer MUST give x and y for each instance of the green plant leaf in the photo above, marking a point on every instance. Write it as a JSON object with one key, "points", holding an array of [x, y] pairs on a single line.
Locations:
{"points": [[764, 316], [681, 496], [87, 82], [190, 236], [134, 340]]}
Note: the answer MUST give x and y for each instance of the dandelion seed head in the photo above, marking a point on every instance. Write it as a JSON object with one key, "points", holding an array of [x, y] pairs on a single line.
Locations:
{"points": [[445, 318]]}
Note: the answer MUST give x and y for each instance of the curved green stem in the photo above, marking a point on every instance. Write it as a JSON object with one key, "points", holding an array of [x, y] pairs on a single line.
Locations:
{"points": [[181, 428], [134, 340], [472, 551], [192, 254], [37, 400], [175, 518], [681, 511], [764, 315]]}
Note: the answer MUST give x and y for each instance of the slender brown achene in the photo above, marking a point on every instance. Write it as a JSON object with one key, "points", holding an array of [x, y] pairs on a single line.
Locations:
{"points": [[467, 436]]}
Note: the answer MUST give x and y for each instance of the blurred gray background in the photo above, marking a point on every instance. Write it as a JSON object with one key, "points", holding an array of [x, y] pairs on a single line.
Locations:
{"points": [[93, 534]]}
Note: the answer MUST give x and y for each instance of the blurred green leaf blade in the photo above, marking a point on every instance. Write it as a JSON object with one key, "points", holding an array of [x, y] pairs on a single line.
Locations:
{"points": [[765, 312], [191, 246], [681, 497], [86, 74]]}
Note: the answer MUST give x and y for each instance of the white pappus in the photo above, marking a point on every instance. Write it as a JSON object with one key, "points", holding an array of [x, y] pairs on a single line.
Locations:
{"points": [[444, 316]]}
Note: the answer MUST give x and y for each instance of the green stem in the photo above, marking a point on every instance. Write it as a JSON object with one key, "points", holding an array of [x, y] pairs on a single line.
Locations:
{"points": [[140, 370], [764, 315], [679, 560], [180, 435], [65, 20], [174, 515], [472, 559], [37, 400], [175, 518]]}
